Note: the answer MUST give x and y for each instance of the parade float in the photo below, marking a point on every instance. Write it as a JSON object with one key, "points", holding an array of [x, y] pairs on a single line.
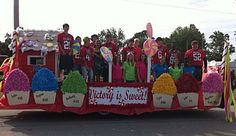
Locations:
{"points": [[29, 81]]}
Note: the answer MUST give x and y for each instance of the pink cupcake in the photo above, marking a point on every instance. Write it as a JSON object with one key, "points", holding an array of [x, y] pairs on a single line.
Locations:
{"points": [[17, 87]]}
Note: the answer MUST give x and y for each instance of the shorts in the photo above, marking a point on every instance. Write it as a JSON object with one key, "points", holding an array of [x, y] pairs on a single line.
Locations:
{"points": [[66, 63]]}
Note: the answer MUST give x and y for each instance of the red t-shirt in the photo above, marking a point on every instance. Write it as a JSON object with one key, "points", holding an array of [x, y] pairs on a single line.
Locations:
{"points": [[137, 54], [196, 56], [66, 41], [86, 53], [125, 51], [171, 56], [77, 59], [142, 69], [161, 52], [111, 46], [117, 74]]}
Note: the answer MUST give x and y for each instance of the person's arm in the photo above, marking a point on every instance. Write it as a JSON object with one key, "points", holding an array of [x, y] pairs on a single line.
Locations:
{"points": [[205, 65]]}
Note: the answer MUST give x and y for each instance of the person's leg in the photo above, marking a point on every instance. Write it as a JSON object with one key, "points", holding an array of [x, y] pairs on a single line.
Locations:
{"points": [[69, 64], [90, 70], [85, 73], [105, 72], [198, 73]]}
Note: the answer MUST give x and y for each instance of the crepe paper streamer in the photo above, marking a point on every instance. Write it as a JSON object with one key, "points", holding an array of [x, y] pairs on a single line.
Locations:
{"points": [[150, 47], [17, 80], [106, 53], [187, 83], [212, 83], [149, 30], [44, 80], [74, 83], [228, 93], [165, 85]]}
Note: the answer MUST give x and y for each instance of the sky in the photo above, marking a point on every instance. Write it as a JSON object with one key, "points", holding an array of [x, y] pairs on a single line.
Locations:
{"points": [[87, 17]]}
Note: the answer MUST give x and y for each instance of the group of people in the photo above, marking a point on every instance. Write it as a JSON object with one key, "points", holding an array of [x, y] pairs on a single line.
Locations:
{"points": [[129, 63]]}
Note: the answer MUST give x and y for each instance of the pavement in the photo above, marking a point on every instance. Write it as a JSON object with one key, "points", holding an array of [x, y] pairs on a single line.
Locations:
{"points": [[163, 123]]}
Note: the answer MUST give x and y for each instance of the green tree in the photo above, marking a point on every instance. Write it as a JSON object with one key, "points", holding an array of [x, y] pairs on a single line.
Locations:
{"points": [[142, 36], [215, 48], [4, 50], [118, 34], [182, 37]]}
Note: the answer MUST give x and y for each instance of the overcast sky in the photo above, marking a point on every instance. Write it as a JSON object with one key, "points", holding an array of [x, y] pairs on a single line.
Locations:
{"points": [[87, 17]]}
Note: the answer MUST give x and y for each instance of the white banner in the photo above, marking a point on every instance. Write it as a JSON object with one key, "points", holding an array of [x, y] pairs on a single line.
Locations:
{"points": [[117, 95]]}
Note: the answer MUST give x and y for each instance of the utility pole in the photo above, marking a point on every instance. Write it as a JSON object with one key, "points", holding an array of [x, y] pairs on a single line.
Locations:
{"points": [[16, 14]]}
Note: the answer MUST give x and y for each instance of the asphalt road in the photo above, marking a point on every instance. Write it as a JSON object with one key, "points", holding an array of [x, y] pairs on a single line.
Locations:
{"points": [[165, 123]]}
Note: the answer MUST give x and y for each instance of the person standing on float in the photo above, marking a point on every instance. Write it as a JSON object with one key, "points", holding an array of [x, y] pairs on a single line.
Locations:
{"points": [[161, 52], [65, 41], [196, 56]]}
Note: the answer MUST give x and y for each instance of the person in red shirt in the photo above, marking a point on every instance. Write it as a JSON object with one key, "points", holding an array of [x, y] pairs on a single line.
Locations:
{"points": [[65, 41], [137, 50], [87, 54], [162, 51], [110, 45], [94, 39], [77, 60], [196, 57], [172, 55], [129, 49]]}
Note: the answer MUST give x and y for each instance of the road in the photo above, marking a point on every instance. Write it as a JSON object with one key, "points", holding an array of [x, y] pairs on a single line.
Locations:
{"points": [[165, 123]]}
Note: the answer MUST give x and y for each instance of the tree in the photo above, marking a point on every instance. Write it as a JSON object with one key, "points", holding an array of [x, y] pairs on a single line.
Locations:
{"points": [[118, 34], [182, 37], [215, 48], [142, 36], [4, 50]]}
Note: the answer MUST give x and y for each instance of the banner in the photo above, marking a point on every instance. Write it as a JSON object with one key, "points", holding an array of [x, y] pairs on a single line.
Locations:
{"points": [[117, 95]]}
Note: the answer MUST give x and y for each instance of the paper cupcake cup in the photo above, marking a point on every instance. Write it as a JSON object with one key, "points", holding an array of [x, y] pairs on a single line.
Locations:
{"points": [[44, 97], [212, 99], [18, 97], [188, 99], [161, 100], [73, 99]]}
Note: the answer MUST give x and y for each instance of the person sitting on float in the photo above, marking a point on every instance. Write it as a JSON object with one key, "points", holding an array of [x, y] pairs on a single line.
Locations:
{"points": [[175, 70], [160, 68]]}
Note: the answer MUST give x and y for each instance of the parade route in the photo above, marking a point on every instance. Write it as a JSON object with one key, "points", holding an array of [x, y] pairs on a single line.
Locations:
{"points": [[164, 123]]}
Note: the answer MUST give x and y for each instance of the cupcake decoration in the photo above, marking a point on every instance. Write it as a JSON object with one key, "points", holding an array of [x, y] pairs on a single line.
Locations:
{"points": [[17, 80], [17, 87], [164, 84], [187, 83], [163, 91], [74, 83], [212, 87], [74, 89], [212, 83], [44, 86], [187, 87], [44, 80]]}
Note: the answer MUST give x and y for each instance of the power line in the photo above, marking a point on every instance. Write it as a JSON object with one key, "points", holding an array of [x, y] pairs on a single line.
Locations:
{"points": [[181, 7]]}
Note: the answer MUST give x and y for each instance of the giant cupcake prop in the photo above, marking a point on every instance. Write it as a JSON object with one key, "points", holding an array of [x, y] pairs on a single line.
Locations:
{"points": [[17, 87], [212, 87], [163, 91], [44, 86], [74, 88], [187, 87]]}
